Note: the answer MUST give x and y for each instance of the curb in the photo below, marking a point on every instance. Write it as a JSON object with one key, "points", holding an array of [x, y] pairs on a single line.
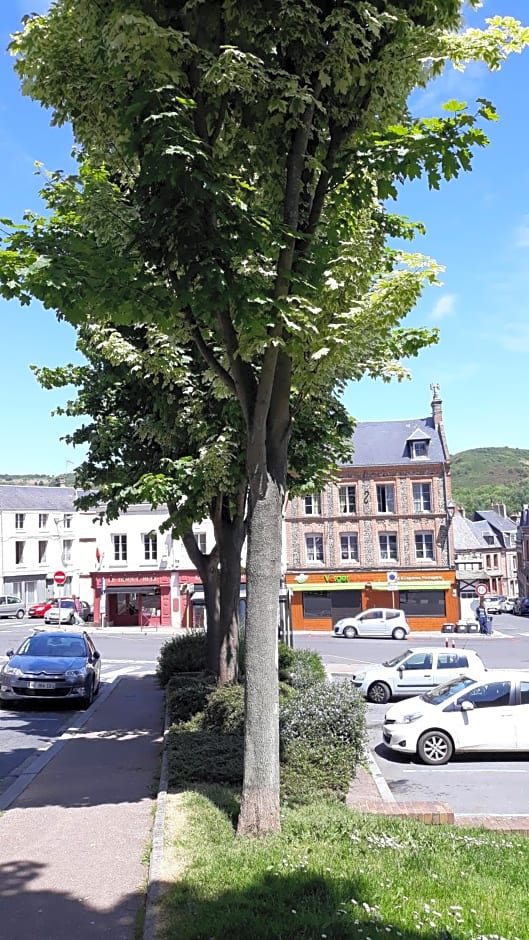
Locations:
{"points": [[157, 845], [34, 766]]}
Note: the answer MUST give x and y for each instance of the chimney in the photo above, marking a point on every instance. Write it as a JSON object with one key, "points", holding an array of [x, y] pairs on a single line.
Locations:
{"points": [[437, 406]]}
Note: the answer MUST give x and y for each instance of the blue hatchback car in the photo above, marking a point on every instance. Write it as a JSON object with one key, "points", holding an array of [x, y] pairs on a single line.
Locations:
{"points": [[521, 607], [52, 665]]}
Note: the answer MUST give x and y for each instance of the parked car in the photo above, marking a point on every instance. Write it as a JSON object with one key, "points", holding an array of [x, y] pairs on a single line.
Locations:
{"points": [[521, 607], [492, 604], [416, 671], [11, 606], [488, 713], [507, 606], [378, 621], [64, 608], [38, 610], [52, 665]]}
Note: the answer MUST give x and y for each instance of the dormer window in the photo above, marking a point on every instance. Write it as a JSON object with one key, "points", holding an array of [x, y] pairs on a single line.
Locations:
{"points": [[418, 449]]}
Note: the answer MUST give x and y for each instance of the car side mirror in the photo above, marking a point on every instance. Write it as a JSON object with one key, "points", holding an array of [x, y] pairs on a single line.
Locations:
{"points": [[97, 655], [400, 671], [10, 653], [467, 706]]}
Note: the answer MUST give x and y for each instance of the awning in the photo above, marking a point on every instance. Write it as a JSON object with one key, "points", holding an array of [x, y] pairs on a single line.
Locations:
{"points": [[133, 588], [328, 586], [412, 586]]}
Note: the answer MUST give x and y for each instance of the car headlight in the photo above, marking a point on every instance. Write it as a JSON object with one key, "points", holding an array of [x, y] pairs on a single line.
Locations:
{"points": [[12, 670], [413, 716], [359, 676], [75, 673]]}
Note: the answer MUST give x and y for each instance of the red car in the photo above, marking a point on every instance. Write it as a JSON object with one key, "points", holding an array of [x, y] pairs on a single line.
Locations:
{"points": [[38, 610]]}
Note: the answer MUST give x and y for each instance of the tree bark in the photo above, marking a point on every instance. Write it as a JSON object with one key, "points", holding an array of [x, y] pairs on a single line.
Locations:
{"points": [[208, 569], [230, 531]]}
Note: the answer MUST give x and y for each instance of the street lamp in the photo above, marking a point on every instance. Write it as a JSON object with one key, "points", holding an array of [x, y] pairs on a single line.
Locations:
{"points": [[450, 512]]}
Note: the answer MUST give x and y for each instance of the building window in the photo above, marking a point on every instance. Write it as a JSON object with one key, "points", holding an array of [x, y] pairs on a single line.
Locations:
{"points": [[19, 553], [418, 449], [422, 497], [313, 505], [423, 603], [43, 520], [67, 521], [67, 551], [385, 497], [388, 546], [150, 547], [316, 604], [347, 499], [488, 539], [201, 541], [349, 547], [20, 519], [43, 548], [424, 546], [314, 547], [120, 547]]}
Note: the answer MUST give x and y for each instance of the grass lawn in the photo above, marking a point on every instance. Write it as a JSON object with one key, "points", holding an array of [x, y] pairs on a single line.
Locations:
{"points": [[335, 874]]}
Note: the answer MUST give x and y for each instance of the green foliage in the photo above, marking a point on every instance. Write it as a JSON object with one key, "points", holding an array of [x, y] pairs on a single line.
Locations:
{"points": [[310, 772], [486, 476], [186, 695], [186, 653], [196, 756], [223, 712], [329, 712], [299, 667]]}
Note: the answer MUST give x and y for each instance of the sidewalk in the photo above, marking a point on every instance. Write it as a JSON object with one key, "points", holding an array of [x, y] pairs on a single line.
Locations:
{"points": [[74, 841]]}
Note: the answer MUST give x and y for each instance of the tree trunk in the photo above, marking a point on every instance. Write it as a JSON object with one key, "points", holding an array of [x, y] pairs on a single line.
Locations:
{"points": [[260, 810], [230, 533], [208, 569]]}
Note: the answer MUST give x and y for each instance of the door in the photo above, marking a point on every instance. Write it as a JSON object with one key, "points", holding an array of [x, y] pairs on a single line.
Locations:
{"points": [[371, 623], [415, 674], [521, 719], [448, 664], [490, 725]]}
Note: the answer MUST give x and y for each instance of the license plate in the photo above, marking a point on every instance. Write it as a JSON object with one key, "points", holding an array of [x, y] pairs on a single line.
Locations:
{"points": [[41, 685]]}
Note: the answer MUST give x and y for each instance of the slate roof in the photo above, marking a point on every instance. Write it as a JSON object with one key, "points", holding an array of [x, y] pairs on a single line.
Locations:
{"points": [[465, 536], [38, 498], [384, 443], [496, 520]]}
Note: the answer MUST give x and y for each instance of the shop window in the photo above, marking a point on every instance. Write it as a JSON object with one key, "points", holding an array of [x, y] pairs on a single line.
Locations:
{"points": [[423, 603], [316, 604]]}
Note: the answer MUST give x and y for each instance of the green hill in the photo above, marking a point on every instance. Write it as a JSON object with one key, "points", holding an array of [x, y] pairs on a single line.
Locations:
{"points": [[487, 475]]}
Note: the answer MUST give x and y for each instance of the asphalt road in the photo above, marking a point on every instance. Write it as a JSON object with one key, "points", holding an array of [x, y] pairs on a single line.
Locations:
{"points": [[28, 729], [471, 784]]}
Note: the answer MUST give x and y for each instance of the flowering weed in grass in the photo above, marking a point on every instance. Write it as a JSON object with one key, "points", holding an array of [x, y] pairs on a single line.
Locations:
{"points": [[335, 874]]}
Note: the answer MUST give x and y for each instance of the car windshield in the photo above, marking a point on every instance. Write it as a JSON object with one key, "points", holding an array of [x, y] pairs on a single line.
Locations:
{"points": [[44, 644], [398, 659], [442, 692], [63, 604]]}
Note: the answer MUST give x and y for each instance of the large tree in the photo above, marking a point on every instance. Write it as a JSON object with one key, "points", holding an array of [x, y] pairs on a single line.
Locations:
{"points": [[245, 149]]}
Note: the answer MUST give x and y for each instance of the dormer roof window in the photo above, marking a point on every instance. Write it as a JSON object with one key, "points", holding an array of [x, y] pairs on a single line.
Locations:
{"points": [[418, 444]]}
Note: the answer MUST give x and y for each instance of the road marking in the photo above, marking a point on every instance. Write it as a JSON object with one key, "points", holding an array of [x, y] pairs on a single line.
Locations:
{"points": [[468, 770]]}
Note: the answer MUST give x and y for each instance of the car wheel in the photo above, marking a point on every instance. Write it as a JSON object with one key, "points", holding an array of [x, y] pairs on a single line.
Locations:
{"points": [[399, 633], [71, 620], [435, 747], [350, 632], [379, 693], [89, 698], [20, 614]]}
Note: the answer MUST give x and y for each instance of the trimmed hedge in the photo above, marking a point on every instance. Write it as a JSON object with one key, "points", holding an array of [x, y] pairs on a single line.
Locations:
{"points": [[187, 694], [203, 757], [224, 711], [300, 668], [186, 653]]}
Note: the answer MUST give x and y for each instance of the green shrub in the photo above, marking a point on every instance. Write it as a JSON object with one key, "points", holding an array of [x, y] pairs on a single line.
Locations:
{"points": [[224, 710], [300, 668], [309, 773], [203, 757], [186, 653], [187, 694], [329, 712]]}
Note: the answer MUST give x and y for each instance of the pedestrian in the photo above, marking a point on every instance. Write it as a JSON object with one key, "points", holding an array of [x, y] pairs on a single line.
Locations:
{"points": [[484, 621], [77, 610]]}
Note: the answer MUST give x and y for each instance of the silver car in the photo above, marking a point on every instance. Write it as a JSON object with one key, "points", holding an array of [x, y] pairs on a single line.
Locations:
{"points": [[377, 621], [11, 606], [52, 666]]}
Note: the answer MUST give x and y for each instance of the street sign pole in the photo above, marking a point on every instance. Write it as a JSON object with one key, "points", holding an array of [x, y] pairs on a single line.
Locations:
{"points": [[60, 577]]}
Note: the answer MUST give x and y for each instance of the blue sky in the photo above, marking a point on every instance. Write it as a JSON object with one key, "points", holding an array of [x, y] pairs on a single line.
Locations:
{"points": [[477, 227]]}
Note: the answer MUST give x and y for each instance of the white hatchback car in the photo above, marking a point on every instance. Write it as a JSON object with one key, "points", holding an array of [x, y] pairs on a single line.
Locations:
{"points": [[378, 621], [416, 671], [490, 713]]}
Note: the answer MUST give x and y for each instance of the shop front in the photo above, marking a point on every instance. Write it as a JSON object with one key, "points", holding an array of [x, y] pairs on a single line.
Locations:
{"points": [[136, 599], [319, 600]]}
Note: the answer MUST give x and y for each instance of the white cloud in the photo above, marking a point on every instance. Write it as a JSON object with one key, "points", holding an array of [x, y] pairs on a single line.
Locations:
{"points": [[522, 234], [444, 307]]}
